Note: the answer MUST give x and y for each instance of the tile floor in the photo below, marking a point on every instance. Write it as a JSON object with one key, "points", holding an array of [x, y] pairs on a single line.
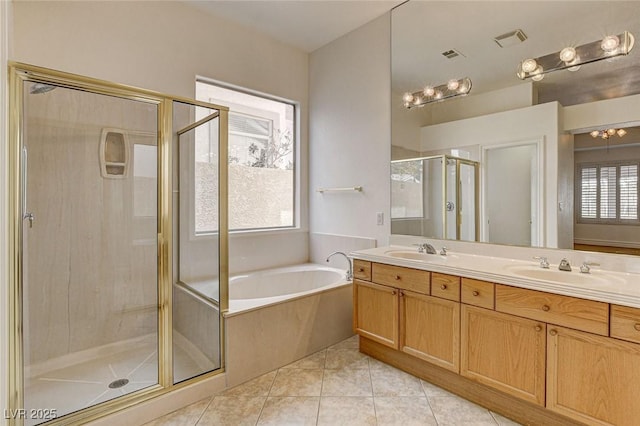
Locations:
{"points": [[336, 386]]}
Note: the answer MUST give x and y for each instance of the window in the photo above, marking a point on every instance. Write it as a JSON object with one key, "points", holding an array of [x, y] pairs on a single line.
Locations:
{"points": [[607, 193], [261, 158]]}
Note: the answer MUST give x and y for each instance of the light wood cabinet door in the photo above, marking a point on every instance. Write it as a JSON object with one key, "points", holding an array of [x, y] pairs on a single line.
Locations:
{"points": [[593, 379], [504, 352], [430, 329], [376, 312]]}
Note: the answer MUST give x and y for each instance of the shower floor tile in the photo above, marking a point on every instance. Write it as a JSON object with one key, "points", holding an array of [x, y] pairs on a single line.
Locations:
{"points": [[71, 388]]}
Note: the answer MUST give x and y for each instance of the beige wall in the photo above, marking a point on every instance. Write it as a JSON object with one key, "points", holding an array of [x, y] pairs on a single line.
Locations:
{"points": [[350, 132]]}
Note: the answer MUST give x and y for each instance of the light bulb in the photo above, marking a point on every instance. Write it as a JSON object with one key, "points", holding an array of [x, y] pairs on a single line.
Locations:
{"points": [[407, 97], [537, 74], [568, 54], [611, 132], [610, 43], [429, 91], [438, 95], [595, 134], [621, 132], [529, 65], [453, 84]]}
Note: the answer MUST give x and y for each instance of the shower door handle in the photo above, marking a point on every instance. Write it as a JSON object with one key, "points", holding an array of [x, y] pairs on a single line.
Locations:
{"points": [[25, 213]]}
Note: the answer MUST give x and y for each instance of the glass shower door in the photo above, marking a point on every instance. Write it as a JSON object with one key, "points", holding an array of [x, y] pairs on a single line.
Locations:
{"points": [[197, 313], [89, 264]]}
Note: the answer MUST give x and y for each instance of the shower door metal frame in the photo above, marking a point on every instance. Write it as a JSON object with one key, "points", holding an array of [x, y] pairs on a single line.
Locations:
{"points": [[20, 73], [458, 183]]}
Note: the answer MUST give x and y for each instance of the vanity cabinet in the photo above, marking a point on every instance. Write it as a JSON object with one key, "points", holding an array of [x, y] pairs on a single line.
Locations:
{"points": [[376, 312], [505, 352], [430, 329], [538, 357], [593, 379]]}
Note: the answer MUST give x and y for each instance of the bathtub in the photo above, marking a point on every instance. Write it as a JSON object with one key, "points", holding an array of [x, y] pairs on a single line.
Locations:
{"points": [[279, 315], [266, 287], [251, 290]]}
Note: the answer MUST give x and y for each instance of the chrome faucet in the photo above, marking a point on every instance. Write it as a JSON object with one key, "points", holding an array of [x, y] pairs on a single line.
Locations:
{"points": [[564, 265], [585, 267], [426, 247], [349, 274], [544, 263]]}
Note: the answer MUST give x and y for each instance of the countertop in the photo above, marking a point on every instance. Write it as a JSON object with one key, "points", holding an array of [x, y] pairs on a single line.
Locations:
{"points": [[621, 288]]}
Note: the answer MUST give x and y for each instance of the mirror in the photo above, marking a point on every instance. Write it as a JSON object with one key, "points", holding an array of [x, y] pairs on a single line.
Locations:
{"points": [[535, 133]]}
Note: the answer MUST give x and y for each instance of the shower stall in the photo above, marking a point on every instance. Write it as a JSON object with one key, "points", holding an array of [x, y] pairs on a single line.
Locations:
{"points": [[108, 186], [435, 197]]}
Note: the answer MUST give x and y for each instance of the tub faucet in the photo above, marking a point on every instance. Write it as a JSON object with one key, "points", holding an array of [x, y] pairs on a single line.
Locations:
{"points": [[349, 274]]}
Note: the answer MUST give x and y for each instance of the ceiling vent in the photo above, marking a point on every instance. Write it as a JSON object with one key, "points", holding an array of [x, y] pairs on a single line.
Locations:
{"points": [[510, 39], [450, 54]]}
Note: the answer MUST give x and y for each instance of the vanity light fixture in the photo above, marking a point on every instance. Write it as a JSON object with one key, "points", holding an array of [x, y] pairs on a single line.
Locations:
{"points": [[571, 58], [452, 88], [607, 133]]}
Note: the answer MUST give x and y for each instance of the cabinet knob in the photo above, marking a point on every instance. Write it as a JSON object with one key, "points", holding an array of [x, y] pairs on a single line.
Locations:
{"points": [[393, 292], [538, 328], [401, 293], [443, 286], [360, 269], [397, 277], [553, 332], [637, 326], [546, 308], [476, 293]]}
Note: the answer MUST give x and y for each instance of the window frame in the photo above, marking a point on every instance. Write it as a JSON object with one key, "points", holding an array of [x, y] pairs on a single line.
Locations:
{"points": [[578, 193], [295, 193]]}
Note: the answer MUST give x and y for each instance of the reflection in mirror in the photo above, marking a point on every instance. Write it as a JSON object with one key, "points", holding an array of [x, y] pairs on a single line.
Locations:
{"points": [[503, 110], [606, 196], [435, 197]]}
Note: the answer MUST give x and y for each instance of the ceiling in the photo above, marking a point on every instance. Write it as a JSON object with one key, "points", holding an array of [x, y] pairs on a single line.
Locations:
{"points": [[422, 30], [305, 24], [469, 27]]}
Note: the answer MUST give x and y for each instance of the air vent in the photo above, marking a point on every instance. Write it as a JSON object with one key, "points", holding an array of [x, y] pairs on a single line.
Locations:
{"points": [[510, 39], [450, 54]]}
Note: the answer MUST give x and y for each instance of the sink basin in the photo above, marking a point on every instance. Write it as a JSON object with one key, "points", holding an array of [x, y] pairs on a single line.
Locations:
{"points": [[562, 277], [414, 255]]}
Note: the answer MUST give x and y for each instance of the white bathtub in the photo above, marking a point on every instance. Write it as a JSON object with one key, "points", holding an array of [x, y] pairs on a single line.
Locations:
{"points": [[266, 287], [282, 314]]}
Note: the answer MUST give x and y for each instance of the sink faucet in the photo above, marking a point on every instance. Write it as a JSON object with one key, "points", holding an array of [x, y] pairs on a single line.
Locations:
{"points": [[426, 247], [564, 265], [585, 267], [544, 263], [349, 274]]}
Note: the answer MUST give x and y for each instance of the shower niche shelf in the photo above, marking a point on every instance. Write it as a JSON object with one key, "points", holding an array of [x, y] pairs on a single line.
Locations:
{"points": [[114, 153]]}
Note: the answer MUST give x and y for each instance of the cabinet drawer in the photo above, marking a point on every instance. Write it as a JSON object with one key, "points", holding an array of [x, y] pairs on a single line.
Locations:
{"points": [[445, 286], [478, 293], [399, 277], [571, 312], [362, 269], [625, 323]]}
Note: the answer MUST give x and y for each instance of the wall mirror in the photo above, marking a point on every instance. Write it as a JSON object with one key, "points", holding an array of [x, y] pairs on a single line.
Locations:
{"points": [[543, 179]]}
